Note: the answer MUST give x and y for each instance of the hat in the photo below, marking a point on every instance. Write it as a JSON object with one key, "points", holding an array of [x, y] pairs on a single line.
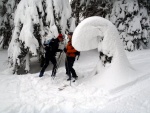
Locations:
{"points": [[60, 36], [70, 33]]}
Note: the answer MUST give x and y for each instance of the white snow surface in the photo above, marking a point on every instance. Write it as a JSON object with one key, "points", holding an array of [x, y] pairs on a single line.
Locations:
{"points": [[97, 32], [31, 94]]}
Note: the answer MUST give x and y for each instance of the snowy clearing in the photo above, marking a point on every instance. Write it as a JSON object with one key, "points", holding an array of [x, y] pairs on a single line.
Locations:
{"points": [[31, 94]]}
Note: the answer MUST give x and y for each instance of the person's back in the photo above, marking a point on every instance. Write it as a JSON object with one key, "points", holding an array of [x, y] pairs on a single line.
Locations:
{"points": [[51, 48]]}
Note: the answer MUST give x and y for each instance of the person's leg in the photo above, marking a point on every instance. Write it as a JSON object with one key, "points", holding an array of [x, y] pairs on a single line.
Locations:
{"points": [[53, 60], [74, 75], [44, 67], [70, 65], [66, 66]]}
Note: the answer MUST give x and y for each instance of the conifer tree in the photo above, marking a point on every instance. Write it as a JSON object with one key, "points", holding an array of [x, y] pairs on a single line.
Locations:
{"points": [[7, 9], [86, 8], [132, 20], [36, 21]]}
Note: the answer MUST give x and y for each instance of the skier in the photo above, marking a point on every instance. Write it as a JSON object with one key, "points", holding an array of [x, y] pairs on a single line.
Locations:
{"points": [[51, 48], [70, 58]]}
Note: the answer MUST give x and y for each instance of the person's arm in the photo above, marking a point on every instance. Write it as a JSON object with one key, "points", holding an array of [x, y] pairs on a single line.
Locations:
{"points": [[71, 50], [56, 47], [59, 50]]}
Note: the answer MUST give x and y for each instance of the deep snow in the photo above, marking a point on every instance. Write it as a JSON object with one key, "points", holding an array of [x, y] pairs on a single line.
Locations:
{"points": [[31, 94]]}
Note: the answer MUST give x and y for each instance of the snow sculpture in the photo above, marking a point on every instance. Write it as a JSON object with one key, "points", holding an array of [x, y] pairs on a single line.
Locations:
{"points": [[97, 32]]}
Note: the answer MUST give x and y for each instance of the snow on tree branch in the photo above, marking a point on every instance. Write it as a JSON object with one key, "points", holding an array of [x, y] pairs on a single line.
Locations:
{"points": [[36, 21], [132, 20]]}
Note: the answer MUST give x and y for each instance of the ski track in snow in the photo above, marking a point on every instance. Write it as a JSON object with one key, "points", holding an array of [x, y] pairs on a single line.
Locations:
{"points": [[33, 90], [137, 98], [31, 94]]}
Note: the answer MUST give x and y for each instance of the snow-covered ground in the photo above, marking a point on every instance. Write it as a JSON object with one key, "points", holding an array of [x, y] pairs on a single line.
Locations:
{"points": [[31, 94]]}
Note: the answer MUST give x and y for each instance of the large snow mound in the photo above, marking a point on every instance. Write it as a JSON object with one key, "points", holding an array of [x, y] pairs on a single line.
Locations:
{"points": [[113, 66]]}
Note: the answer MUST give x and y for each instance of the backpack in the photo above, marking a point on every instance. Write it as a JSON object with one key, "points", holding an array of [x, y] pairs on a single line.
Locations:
{"points": [[48, 44]]}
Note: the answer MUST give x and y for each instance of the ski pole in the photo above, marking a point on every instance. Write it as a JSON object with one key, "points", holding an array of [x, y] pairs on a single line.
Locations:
{"points": [[78, 57], [57, 64]]}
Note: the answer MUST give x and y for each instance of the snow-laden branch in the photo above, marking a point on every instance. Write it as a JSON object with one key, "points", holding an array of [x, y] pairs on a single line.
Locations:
{"points": [[36, 21]]}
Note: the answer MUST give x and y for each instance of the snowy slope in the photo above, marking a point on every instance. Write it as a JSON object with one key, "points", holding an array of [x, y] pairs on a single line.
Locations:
{"points": [[31, 94]]}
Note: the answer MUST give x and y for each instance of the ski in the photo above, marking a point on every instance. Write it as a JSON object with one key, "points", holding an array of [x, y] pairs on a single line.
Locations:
{"points": [[63, 87]]}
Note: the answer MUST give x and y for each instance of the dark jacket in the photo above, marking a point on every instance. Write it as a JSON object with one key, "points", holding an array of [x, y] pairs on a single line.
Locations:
{"points": [[52, 48]]}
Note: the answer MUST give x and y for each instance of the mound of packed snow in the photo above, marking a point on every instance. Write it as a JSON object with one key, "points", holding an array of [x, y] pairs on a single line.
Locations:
{"points": [[113, 66]]}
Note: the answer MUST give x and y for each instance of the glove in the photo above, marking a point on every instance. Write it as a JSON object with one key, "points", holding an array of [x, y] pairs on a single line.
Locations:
{"points": [[77, 53]]}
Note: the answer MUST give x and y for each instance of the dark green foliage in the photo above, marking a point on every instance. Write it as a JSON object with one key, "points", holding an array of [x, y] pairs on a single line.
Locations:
{"points": [[36, 32], [105, 59], [132, 20], [84, 8], [6, 24]]}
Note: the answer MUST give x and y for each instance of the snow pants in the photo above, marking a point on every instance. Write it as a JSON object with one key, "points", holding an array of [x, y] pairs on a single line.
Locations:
{"points": [[69, 67], [46, 63]]}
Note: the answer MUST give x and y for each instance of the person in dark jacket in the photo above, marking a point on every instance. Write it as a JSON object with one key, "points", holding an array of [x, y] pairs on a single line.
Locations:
{"points": [[51, 50], [70, 58]]}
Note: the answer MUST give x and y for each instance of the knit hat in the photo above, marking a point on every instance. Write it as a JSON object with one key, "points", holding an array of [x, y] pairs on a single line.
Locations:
{"points": [[60, 36]]}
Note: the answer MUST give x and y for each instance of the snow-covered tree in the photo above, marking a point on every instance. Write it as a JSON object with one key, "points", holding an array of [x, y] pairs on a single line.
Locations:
{"points": [[132, 20], [145, 3], [113, 66], [36, 21], [7, 9], [86, 8]]}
